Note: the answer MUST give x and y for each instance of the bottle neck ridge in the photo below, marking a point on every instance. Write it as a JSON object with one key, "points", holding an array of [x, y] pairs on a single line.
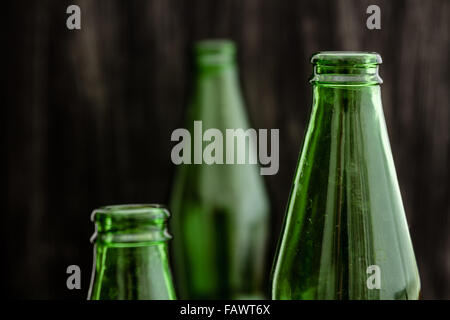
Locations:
{"points": [[346, 69], [214, 55], [130, 225]]}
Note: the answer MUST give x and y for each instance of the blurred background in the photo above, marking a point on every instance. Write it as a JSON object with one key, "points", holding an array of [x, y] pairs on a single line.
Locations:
{"points": [[87, 114]]}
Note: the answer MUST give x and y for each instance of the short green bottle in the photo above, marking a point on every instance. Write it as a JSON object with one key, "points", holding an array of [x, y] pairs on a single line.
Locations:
{"points": [[131, 254], [345, 234]]}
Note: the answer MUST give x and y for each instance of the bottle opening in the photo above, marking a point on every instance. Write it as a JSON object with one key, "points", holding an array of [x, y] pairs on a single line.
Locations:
{"points": [[131, 223], [213, 52], [346, 68]]}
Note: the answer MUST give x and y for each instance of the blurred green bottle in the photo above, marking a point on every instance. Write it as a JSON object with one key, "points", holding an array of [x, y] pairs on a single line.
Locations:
{"points": [[220, 211], [345, 234], [130, 254]]}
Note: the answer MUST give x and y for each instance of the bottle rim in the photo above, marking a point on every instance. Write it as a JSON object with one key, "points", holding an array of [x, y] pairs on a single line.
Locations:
{"points": [[131, 224], [152, 210], [214, 52], [214, 46], [346, 58], [346, 68]]}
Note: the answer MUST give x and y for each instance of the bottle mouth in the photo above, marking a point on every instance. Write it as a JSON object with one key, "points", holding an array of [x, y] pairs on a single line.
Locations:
{"points": [[131, 223], [346, 68], [214, 52]]}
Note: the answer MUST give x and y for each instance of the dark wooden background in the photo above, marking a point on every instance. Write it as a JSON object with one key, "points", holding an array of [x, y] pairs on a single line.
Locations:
{"points": [[87, 115]]}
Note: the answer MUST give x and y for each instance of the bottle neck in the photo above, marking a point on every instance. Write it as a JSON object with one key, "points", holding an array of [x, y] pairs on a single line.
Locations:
{"points": [[132, 236], [346, 100], [346, 75], [217, 98], [215, 61], [216, 76], [346, 68], [345, 83], [130, 225], [214, 55], [130, 253], [213, 64], [139, 272], [225, 74], [349, 123]]}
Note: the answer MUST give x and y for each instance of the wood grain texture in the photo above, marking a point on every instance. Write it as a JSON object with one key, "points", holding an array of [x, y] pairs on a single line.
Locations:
{"points": [[87, 115]]}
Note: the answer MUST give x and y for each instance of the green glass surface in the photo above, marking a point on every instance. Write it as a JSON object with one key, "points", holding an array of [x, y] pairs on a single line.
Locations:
{"points": [[220, 211], [131, 254], [345, 211]]}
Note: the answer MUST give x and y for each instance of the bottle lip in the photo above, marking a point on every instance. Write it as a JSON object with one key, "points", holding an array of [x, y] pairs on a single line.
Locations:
{"points": [[214, 52], [348, 68], [150, 210], [215, 46], [131, 223], [346, 58]]}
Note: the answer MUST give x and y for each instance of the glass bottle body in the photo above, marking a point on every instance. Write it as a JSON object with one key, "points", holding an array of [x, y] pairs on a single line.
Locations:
{"points": [[345, 234], [220, 211]]}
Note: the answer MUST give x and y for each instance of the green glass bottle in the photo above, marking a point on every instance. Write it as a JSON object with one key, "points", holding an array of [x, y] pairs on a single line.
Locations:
{"points": [[220, 211], [345, 234], [130, 254]]}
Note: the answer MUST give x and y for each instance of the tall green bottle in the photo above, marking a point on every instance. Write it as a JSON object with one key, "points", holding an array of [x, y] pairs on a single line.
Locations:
{"points": [[220, 211], [130, 254], [345, 234]]}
